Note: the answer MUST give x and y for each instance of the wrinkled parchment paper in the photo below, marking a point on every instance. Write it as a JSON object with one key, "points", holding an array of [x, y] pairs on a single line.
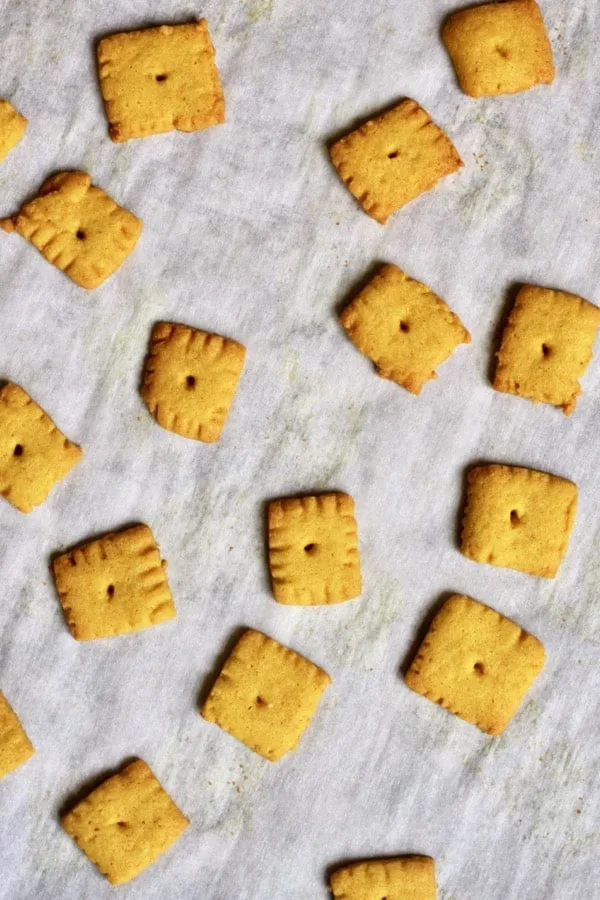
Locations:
{"points": [[249, 232]]}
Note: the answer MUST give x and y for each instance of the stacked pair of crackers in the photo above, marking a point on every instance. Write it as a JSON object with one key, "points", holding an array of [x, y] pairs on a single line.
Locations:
{"points": [[473, 661]]}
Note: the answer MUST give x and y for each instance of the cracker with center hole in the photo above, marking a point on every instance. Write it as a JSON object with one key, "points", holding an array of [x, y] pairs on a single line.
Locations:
{"points": [[403, 878], [160, 79], [403, 327], [476, 664], [394, 158], [190, 379], [126, 823], [546, 346], [266, 695], [34, 454], [78, 228], [313, 550], [113, 585], [518, 518], [12, 127], [15, 746], [499, 48]]}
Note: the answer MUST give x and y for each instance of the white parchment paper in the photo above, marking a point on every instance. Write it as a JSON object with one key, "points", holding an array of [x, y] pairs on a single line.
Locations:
{"points": [[249, 232]]}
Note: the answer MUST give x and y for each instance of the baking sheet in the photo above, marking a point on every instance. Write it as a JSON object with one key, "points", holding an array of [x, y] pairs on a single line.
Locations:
{"points": [[249, 232]]}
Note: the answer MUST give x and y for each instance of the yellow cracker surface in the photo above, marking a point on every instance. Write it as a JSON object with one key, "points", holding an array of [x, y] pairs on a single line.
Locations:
{"points": [[499, 48], [15, 746], [403, 878], [266, 695], [190, 379], [78, 228], [393, 158], [476, 663], [546, 346], [160, 79], [34, 454], [12, 127], [126, 823], [113, 585], [403, 327], [313, 550], [518, 518]]}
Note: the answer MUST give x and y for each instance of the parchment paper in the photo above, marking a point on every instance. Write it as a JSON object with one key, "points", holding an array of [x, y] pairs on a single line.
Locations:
{"points": [[249, 232]]}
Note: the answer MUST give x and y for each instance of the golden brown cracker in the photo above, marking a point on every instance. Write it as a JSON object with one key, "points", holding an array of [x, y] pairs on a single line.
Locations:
{"points": [[266, 695], [12, 127], [476, 663], [313, 549], [499, 48], [394, 158], [402, 878], [190, 379], [34, 454], [518, 518], [113, 585], [546, 346], [126, 823], [403, 327], [160, 79], [78, 228], [15, 746]]}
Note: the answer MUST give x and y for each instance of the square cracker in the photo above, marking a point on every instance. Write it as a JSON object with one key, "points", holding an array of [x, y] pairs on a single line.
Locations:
{"points": [[78, 228], [160, 79], [15, 746], [34, 454], [265, 695], [499, 48], [113, 585], [476, 663], [403, 878], [518, 518], [393, 158], [12, 127], [126, 823], [546, 346], [313, 550], [403, 327], [190, 379]]}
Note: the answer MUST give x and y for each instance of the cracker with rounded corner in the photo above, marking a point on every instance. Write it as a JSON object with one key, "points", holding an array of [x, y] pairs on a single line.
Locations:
{"points": [[160, 79], [34, 454], [266, 695], [400, 878], [403, 327], [78, 228], [518, 518], [476, 663], [113, 585], [126, 823], [15, 746], [190, 379], [12, 128], [499, 48], [546, 346], [313, 550], [393, 158]]}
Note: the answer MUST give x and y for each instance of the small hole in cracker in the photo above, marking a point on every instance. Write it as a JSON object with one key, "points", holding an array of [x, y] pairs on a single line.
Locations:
{"points": [[191, 382], [161, 77], [546, 351], [404, 327], [260, 701], [122, 824], [515, 518], [110, 590], [478, 668], [393, 154], [80, 234], [310, 548], [18, 451]]}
